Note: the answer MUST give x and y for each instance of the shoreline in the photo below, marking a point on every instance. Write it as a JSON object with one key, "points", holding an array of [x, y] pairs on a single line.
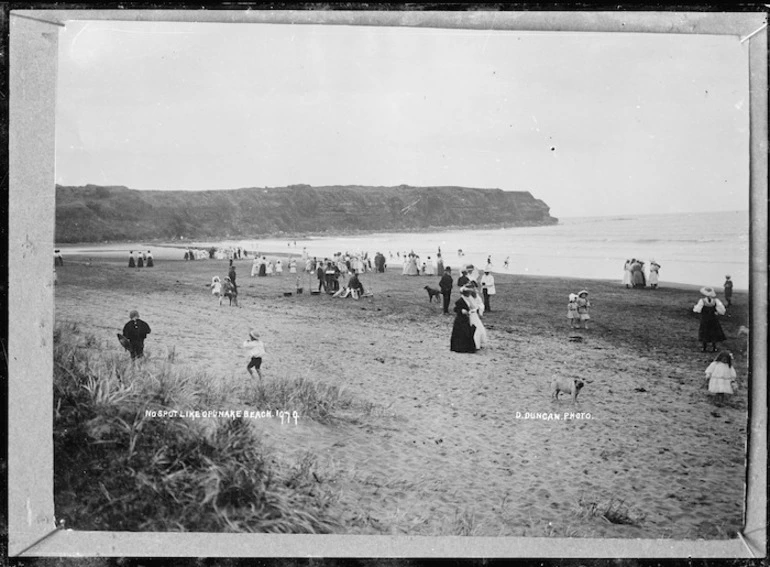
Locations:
{"points": [[330, 234], [119, 257]]}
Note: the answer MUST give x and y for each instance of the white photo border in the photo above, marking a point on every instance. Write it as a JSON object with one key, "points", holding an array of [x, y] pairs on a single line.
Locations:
{"points": [[33, 56]]}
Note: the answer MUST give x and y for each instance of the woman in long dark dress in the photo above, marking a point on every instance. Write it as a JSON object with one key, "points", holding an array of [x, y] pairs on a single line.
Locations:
{"points": [[462, 330], [710, 331]]}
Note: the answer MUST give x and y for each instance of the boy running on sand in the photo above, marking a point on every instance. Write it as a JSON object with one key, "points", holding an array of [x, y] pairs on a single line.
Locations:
{"points": [[257, 351]]}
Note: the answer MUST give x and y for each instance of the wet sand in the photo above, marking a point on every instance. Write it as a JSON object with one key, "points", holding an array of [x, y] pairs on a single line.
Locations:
{"points": [[464, 444]]}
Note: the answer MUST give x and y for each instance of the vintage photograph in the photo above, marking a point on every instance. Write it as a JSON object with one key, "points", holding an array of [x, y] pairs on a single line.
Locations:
{"points": [[389, 280]]}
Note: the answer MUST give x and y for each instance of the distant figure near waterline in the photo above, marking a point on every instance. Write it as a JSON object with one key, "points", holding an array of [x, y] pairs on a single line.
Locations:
{"points": [[150, 261], [507, 262], [256, 352], [131, 261], [728, 285], [637, 274], [140, 260], [58, 259], [626, 281], [136, 331], [654, 269], [709, 331]]}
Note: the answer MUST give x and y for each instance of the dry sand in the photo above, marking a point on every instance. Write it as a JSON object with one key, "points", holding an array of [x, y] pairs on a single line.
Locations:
{"points": [[447, 448]]}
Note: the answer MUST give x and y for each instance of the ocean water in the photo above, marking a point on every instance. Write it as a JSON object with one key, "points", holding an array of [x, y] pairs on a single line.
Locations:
{"points": [[697, 248]]}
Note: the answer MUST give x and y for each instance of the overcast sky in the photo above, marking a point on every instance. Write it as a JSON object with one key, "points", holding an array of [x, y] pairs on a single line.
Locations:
{"points": [[593, 124]]}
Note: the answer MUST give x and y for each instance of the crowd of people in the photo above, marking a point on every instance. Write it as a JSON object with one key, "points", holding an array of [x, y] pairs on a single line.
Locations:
{"points": [[141, 260], [634, 274], [339, 276]]}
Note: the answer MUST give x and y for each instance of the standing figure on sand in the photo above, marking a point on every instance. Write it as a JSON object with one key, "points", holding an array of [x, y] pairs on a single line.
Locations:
{"points": [[626, 281], [487, 288], [411, 267], [445, 285], [709, 331], [583, 305], [572, 311], [474, 317], [256, 352], [637, 273], [728, 286], [131, 260], [462, 339], [229, 291], [654, 269], [136, 331], [216, 288], [722, 377]]}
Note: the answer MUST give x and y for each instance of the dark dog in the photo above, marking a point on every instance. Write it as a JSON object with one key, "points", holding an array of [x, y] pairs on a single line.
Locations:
{"points": [[571, 386], [432, 292]]}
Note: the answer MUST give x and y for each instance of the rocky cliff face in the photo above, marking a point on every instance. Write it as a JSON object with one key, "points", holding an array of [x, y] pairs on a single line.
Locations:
{"points": [[93, 213]]}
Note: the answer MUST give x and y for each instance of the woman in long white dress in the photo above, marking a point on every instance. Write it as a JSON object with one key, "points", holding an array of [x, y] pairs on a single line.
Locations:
{"points": [[254, 266], [475, 313], [430, 269], [626, 281]]}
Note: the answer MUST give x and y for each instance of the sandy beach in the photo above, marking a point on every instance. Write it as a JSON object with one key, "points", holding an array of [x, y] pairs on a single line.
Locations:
{"points": [[462, 444]]}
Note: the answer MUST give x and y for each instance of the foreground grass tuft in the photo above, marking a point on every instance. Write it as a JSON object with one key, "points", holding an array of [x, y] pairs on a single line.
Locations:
{"points": [[119, 468], [613, 510]]}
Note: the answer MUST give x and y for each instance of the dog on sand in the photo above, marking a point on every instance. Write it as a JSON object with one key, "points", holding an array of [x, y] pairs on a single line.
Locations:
{"points": [[571, 386], [432, 292]]}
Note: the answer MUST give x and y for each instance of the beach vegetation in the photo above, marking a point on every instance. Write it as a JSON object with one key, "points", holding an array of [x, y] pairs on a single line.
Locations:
{"points": [[120, 467]]}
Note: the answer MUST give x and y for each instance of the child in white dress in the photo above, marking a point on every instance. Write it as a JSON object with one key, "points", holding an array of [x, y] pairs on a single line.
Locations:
{"points": [[583, 305], [572, 311], [722, 376], [216, 286]]}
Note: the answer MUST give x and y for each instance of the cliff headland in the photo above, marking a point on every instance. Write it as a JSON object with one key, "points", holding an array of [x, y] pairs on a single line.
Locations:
{"points": [[96, 214]]}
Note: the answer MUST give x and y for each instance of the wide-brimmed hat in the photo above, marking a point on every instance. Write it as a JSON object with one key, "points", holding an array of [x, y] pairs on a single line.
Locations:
{"points": [[708, 292], [582, 292], [254, 335], [572, 297]]}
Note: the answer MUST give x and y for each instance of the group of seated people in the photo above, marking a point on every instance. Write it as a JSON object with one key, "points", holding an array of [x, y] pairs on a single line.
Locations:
{"points": [[354, 289]]}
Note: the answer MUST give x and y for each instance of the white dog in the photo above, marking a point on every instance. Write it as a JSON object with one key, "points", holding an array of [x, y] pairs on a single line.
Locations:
{"points": [[571, 386]]}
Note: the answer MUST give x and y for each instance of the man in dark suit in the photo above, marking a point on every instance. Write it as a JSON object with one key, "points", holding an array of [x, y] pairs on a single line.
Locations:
{"points": [[445, 284], [463, 279]]}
